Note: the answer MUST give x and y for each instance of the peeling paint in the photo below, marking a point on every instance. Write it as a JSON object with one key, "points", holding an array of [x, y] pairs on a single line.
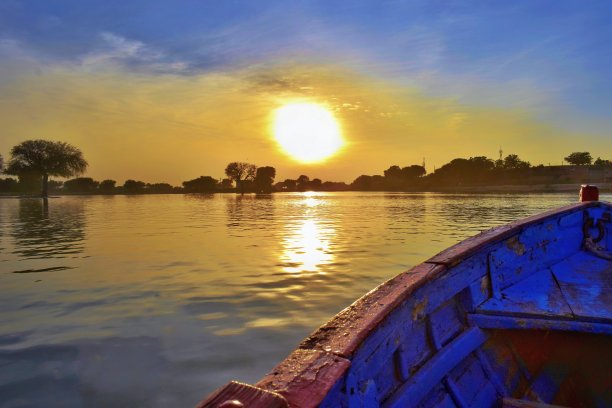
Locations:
{"points": [[419, 308], [515, 245], [484, 285]]}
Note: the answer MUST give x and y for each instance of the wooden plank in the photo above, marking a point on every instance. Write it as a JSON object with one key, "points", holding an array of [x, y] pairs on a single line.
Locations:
{"points": [[437, 398], [586, 283], [546, 385], [517, 403], [480, 291], [413, 351], [445, 323], [455, 393], [400, 341], [336, 397], [236, 395], [490, 373], [487, 397], [503, 364], [305, 377], [396, 348], [424, 380], [537, 295], [533, 249], [470, 381], [512, 322], [457, 279]]}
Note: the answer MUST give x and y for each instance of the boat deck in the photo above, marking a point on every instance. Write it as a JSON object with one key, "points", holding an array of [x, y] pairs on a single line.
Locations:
{"points": [[574, 294]]}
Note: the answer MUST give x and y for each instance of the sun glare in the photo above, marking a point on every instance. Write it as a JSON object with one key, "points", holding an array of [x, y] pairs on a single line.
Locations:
{"points": [[307, 132]]}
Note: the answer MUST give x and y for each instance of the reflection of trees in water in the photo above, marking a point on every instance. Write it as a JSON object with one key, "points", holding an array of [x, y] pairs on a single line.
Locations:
{"points": [[249, 211], [49, 231]]}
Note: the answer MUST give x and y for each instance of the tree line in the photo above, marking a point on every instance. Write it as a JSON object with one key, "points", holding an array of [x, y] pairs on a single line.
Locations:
{"points": [[35, 161]]}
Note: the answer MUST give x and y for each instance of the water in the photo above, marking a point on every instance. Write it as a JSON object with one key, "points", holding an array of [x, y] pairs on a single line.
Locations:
{"points": [[154, 301]]}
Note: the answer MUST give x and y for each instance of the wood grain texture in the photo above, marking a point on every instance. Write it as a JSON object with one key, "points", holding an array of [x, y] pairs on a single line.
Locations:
{"points": [[586, 283], [517, 403], [238, 395], [305, 377], [525, 323]]}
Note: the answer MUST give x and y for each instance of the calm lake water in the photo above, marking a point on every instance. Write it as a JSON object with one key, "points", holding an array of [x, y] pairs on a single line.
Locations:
{"points": [[154, 301]]}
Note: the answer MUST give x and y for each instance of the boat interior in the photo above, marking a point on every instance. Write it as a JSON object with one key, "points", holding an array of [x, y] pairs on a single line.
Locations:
{"points": [[534, 329]]}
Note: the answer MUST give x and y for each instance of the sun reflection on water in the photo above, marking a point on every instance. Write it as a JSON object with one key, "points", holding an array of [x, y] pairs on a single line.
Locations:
{"points": [[307, 249]]}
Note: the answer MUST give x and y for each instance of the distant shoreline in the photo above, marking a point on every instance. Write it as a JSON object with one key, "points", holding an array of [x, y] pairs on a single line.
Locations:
{"points": [[525, 188], [508, 189]]}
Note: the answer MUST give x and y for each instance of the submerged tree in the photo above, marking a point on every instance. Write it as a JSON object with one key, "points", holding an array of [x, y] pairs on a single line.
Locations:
{"points": [[240, 172], [264, 178], [44, 158]]}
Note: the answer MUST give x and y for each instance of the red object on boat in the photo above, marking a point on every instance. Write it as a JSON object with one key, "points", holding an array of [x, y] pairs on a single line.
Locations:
{"points": [[589, 193]]}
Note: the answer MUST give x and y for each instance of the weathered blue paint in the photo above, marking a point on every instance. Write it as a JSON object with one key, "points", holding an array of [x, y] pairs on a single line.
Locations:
{"points": [[522, 323], [437, 368], [585, 282], [522, 311]]}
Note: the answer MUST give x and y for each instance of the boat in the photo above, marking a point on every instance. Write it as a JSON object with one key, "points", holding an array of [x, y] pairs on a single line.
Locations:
{"points": [[517, 316]]}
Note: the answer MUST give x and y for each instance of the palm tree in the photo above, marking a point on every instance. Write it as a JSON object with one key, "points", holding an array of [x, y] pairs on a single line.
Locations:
{"points": [[44, 158]]}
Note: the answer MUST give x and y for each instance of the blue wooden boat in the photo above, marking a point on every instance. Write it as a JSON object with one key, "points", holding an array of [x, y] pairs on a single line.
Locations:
{"points": [[518, 316]]}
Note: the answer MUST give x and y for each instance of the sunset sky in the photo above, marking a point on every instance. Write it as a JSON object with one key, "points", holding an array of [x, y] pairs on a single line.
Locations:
{"points": [[166, 91]]}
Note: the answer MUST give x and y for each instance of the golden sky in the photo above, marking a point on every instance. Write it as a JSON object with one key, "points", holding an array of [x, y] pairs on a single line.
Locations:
{"points": [[170, 128]]}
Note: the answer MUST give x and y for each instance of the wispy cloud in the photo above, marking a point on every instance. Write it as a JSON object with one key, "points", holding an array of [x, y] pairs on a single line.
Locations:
{"points": [[115, 50]]}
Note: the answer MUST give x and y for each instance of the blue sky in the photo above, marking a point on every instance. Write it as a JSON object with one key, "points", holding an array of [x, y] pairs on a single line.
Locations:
{"points": [[553, 42], [552, 59]]}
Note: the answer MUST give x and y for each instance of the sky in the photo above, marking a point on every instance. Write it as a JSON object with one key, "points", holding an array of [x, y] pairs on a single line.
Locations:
{"points": [[166, 91]]}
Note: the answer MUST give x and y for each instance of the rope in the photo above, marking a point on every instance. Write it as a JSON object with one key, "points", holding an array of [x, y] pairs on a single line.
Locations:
{"points": [[596, 250]]}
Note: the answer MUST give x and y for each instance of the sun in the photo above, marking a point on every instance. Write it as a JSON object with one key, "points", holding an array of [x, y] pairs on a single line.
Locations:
{"points": [[307, 132]]}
